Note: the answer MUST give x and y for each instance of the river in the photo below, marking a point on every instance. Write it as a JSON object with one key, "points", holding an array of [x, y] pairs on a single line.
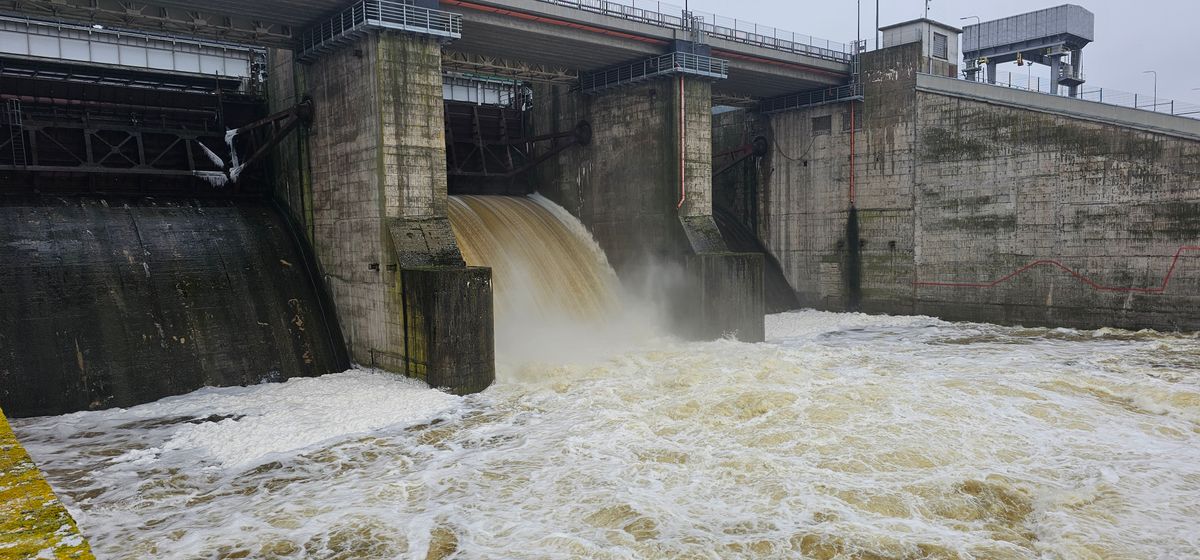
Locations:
{"points": [[842, 436]]}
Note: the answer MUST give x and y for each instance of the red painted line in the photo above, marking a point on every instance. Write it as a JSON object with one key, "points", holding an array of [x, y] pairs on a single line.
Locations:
{"points": [[1076, 274], [552, 21], [720, 53], [630, 36]]}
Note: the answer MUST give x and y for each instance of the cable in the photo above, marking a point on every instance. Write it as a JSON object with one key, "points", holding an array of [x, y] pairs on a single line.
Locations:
{"points": [[799, 157]]}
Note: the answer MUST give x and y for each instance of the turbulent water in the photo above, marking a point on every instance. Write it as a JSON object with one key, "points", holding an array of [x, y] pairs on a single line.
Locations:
{"points": [[557, 299], [842, 436], [542, 259]]}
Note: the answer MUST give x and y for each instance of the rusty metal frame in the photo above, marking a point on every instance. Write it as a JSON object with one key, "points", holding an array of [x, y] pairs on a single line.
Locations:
{"points": [[495, 66], [102, 146]]}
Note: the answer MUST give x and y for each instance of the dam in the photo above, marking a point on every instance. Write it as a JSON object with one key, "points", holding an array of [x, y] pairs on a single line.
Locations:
{"points": [[559, 278]]}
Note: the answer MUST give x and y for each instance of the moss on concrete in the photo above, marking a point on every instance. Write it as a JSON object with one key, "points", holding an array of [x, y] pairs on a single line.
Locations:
{"points": [[33, 523], [940, 144]]}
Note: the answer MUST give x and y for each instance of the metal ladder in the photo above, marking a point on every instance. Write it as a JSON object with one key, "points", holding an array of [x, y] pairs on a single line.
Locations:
{"points": [[12, 116]]}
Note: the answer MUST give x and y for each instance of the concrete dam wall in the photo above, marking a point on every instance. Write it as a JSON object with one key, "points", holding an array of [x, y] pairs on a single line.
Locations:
{"points": [[980, 203], [113, 303]]}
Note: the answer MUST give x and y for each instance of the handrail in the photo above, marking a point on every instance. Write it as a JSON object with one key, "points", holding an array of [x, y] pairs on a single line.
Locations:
{"points": [[668, 15], [810, 98], [667, 64], [1107, 96], [377, 14]]}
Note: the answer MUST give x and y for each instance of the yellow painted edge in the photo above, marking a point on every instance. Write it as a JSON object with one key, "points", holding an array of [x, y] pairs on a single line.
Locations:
{"points": [[33, 523]]}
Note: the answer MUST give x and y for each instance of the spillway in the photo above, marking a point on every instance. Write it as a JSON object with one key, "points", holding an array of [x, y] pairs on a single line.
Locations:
{"points": [[541, 257], [118, 301], [557, 299]]}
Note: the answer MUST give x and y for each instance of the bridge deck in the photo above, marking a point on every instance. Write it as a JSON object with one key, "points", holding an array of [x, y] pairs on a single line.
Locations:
{"points": [[583, 35]]}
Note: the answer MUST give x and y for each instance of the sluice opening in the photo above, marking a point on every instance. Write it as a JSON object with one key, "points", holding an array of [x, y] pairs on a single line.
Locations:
{"points": [[557, 299], [541, 257]]}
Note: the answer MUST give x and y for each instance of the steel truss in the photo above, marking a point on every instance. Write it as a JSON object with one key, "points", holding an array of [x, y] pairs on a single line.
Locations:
{"points": [[128, 13], [107, 138], [494, 66]]}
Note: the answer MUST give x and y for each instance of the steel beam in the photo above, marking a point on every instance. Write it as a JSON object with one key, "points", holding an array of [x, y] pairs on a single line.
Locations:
{"points": [[157, 18]]}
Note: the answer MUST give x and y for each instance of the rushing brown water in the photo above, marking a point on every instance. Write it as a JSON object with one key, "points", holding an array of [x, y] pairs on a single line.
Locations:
{"points": [[844, 436], [541, 259]]}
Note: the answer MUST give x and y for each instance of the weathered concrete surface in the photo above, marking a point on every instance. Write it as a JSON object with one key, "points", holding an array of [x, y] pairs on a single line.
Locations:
{"points": [[290, 166], [111, 303], [803, 199], [737, 201], [643, 188], [1127, 117], [450, 327], [33, 523], [625, 185], [727, 297], [954, 194], [999, 188], [379, 191]]}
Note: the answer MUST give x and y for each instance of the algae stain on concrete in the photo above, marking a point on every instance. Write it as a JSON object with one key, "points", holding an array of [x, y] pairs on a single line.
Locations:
{"points": [[940, 144], [33, 523]]}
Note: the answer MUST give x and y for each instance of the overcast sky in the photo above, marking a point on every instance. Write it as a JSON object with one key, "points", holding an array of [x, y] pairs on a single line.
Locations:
{"points": [[1131, 35]]}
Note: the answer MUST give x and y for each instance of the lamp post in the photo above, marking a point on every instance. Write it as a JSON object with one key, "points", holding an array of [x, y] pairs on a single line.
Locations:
{"points": [[1155, 88], [975, 61]]}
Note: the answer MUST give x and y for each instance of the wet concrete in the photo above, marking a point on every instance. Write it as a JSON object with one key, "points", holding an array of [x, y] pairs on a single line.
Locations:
{"points": [[119, 302]]}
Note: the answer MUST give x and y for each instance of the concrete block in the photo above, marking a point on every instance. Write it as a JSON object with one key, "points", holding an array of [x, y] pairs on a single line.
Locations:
{"points": [[449, 331], [725, 297]]}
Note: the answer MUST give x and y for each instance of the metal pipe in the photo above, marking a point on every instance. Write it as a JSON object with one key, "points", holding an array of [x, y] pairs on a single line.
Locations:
{"points": [[63, 102], [682, 145]]}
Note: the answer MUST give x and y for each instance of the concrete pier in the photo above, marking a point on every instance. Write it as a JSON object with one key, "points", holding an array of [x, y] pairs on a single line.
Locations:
{"points": [[726, 298], [644, 190], [449, 326], [379, 213]]}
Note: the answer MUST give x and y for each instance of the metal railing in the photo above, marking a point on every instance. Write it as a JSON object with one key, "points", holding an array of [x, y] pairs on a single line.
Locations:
{"points": [[1107, 96], [837, 94], [667, 64], [672, 16], [362, 15]]}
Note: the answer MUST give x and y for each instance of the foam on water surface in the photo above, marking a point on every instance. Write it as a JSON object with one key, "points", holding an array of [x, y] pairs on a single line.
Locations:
{"points": [[844, 436]]}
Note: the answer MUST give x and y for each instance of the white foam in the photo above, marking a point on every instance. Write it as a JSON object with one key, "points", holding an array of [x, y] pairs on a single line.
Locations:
{"points": [[273, 418], [809, 322], [893, 436]]}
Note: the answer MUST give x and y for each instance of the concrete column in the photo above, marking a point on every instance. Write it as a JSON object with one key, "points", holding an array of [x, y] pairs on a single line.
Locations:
{"points": [[290, 177], [694, 107], [644, 185], [991, 73], [378, 158], [1055, 72]]}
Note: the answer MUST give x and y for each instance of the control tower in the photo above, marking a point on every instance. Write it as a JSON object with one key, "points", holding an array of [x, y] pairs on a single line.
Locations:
{"points": [[1053, 36]]}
